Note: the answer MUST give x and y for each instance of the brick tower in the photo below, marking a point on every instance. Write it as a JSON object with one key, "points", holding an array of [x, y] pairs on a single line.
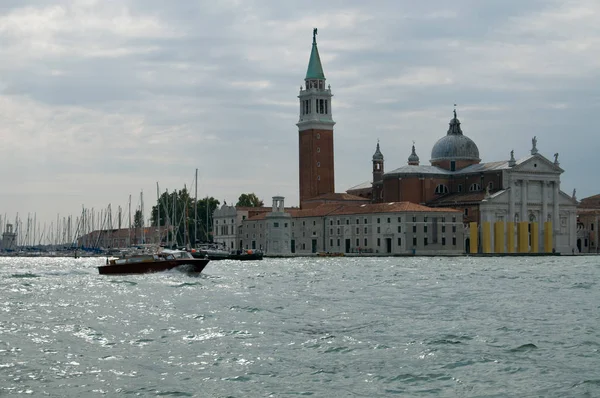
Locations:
{"points": [[315, 131]]}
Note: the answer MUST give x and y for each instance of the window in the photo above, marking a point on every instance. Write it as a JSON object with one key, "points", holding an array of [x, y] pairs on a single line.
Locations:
{"points": [[443, 228], [365, 221], [338, 231], [491, 185], [453, 241], [357, 231], [378, 230], [330, 222], [441, 189], [452, 165], [338, 222], [443, 219], [443, 241], [338, 243], [357, 221], [357, 242], [314, 223], [424, 219], [318, 178], [399, 229], [459, 187], [454, 228], [326, 111], [474, 187], [330, 242], [318, 136], [399, 241], [365, 230], [466, 212], [378, 220], [425, 228], [415, 241], [425, 242], [414, 218], [591, 226], [331, 231], [348, 221], [414, 229], [318, 164], [275, 225], [399, 219], [378, 242], [389, 220], [454, 219], [303, 223], [318, 150]]}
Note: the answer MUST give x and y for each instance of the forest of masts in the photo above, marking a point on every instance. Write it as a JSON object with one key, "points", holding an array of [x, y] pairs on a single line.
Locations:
{"points": [[183, 220]]}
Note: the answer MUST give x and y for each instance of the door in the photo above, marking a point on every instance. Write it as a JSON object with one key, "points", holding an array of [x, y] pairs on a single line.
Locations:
{"points": [[293, 248], [388, 244], [314, 246], [347, 245]]}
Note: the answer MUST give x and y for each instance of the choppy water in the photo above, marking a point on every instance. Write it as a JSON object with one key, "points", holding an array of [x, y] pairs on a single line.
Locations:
{"points": [[337, 327]]}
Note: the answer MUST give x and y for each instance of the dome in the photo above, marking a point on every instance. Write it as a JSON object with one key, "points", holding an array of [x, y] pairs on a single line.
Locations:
{"points": [[455, 145], [377, 155], [413, 159]]}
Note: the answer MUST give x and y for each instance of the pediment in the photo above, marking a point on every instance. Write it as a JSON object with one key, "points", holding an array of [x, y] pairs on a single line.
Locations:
{"points": [[537, 164]]}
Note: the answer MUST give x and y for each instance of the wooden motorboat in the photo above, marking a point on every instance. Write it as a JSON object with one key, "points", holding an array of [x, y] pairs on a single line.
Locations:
{"points": [[147, 263]]}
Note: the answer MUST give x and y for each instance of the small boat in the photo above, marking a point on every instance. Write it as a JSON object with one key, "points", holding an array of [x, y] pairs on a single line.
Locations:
{"points": [[212, 251], [246, 255], [330, 254], [147, 263]]}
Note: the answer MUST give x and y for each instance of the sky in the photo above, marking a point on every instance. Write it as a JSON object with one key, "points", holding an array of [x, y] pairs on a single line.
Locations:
{"points": [[101, 100]]}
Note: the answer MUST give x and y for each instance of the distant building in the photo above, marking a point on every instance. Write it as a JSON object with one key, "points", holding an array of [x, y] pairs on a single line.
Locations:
{"points": [[124, 237], [9, 239]]}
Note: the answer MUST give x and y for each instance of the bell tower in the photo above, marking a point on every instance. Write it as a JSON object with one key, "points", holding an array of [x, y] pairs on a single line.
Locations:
{"points": [[315, 131]]}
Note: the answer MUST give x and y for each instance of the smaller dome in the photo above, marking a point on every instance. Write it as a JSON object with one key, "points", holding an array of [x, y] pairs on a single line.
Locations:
{"points": [[377, 155], [413, 158]]}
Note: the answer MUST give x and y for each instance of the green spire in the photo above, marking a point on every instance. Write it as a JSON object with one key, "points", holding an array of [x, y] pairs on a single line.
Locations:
{"points": [[315, 69]]}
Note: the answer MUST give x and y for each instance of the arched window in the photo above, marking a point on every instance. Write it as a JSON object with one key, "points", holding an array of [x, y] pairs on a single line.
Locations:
{"points": [[474, 187], [441, 189]]}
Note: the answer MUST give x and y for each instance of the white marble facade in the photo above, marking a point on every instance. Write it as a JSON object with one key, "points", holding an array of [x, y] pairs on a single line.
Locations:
{"points": [[532, 193]]}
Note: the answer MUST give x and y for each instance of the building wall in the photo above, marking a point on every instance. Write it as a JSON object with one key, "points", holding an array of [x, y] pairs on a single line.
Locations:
{"points": [[425, 233], [316, 163]]}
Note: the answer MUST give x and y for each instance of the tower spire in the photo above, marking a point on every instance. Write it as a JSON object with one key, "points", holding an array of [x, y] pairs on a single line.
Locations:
{"points": [[315, 69]]}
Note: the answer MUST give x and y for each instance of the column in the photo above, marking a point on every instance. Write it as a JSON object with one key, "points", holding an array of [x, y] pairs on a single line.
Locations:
{"points": [[499, 237], [486, 237], [548, 237], [522, 237], [511, 201], [510, 237], [555, 201], [523, 216], [544, 216]]}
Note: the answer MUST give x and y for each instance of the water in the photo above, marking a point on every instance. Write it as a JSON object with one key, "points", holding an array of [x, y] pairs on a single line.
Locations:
{"points": [[334, 327]]}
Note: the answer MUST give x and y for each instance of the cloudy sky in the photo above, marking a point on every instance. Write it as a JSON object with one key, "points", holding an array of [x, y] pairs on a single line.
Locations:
{"points": [[100, 100]]}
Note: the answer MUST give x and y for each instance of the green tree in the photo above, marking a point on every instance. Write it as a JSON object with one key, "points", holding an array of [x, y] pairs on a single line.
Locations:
{"points": [[138, 219], [249, 200], [177, 211]]}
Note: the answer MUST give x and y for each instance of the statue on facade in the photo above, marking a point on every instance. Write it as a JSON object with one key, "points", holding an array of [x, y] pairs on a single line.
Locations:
{"points": [[574, 192], [556, 158], [534, 145]]}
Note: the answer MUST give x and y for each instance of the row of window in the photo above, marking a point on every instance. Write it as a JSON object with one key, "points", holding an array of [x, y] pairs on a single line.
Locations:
{"points": [[321, 106], [399, 242], [475, 187]]}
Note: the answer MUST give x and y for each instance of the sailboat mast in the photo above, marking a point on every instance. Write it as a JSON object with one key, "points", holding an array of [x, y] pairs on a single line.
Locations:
{"points": [[196, 209], [157, 213]]}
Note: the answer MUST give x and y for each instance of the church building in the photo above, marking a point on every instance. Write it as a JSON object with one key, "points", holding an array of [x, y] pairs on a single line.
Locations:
{"points": [[508, 191]]}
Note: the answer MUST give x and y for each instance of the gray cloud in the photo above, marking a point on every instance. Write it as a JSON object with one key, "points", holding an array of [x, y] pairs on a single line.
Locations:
{"points": [[100, 100]]}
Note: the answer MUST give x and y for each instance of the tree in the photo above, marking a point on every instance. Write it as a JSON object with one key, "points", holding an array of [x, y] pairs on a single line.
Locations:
{"points": [[138, 219], [249, 200], [177, 211]]}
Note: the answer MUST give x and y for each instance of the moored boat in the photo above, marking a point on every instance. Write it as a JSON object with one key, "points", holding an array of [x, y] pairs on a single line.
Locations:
{"points": [[147, 263]]}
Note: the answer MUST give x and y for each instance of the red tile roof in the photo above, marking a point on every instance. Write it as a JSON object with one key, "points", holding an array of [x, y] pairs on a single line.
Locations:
{"points": [[330, 209]]}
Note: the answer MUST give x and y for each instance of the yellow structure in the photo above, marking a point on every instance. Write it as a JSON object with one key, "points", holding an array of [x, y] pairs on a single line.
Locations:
{"points": [[499, 237], [510, 237], [523, 237], [473, 237], [486, 237], [548, 237], [535, 238]]}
